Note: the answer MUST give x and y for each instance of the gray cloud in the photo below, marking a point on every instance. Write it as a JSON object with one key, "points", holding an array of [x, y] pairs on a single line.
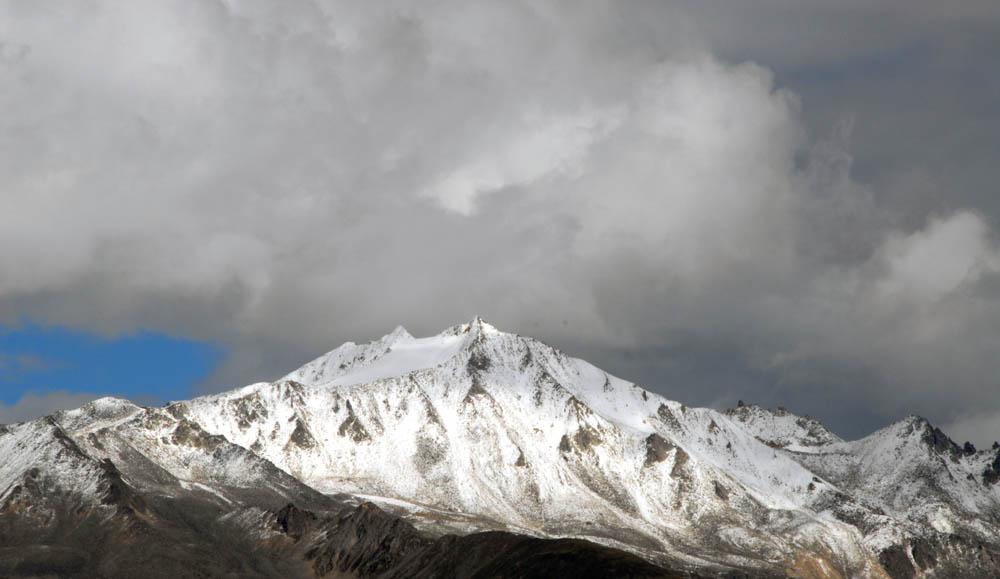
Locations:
{"points": [[34, 404], [621, 180]]}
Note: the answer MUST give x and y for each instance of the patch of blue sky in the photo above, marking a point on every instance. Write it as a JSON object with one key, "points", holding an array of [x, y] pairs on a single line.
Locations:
{"points": [[144, 366]]}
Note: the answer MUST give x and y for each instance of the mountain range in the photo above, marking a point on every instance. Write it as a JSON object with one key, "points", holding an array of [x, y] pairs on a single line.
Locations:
{"points": [[481, 453]]}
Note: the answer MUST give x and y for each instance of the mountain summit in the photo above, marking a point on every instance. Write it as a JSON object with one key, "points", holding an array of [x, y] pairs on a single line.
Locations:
{"points": [[476, 429]]}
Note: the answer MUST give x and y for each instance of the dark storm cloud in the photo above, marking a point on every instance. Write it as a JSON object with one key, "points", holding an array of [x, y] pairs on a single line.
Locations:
{"points": [[620, 179]]}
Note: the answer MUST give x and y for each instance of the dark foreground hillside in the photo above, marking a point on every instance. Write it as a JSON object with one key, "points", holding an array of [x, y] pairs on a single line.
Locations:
{"points": [[45, 535]]}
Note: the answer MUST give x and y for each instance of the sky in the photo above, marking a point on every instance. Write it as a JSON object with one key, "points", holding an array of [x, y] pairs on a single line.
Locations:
{"points": [[46, 367], [786, 203]]}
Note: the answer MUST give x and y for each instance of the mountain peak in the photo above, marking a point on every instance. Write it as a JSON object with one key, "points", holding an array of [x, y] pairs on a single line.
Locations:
{"points": [[394, 354], [399, 333], [478, 324], [101, 410]]}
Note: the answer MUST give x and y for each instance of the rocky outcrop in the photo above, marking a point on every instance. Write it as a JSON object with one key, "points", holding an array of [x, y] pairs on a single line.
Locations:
{"points": [[657, 449], [992, 473]]}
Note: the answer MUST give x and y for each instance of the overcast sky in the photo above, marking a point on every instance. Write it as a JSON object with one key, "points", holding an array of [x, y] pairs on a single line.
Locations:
{"points": [[789, 203]]}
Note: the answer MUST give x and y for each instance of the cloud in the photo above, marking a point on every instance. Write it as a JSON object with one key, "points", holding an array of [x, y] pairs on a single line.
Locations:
{"points": [[542, 149], [930, 264], [282, 178], [972, 426], [31, 405]]}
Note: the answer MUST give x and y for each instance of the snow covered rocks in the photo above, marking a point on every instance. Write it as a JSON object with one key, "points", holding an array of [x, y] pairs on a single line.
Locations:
{"points": [[475, 429]]}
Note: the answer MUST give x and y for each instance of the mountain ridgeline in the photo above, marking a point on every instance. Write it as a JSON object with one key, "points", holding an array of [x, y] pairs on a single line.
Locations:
{"points": [[479, 453]]}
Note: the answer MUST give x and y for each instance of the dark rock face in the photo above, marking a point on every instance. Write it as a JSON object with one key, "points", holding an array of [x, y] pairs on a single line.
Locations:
{"points": [[897, 563], [992, 473], [353, 427], [174, 538], [189, 433], [365, 543], [295, 522], [188, 537], [249, 409], [587, 437], [940, 555], [503, 555], [720, 490], [657, 449], [939, 441], [478, 362], [370, 543], [680, 462], [544, 382], [117, 492], [668, 417], [301, 436], [527, 359], [923, 554]]}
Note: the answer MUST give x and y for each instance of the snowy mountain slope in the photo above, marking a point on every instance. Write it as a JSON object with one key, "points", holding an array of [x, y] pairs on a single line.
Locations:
{"points": [[909, 468], [917, 490], [167, 454], [505, 427], [40, 461], [478, 429], [782, 429], [190, 503], [66, 510]]}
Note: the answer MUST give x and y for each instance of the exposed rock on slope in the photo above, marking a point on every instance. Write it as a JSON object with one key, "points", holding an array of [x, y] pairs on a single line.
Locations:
{"points": [[480, 430], [186, 503]]}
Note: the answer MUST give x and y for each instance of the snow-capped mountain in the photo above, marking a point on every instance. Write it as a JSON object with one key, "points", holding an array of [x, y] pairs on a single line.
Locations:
{"points": [[476, 429]]}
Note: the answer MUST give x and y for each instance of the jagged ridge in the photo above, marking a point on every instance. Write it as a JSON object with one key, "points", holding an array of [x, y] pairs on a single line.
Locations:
{"points": [[476, 429]]}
